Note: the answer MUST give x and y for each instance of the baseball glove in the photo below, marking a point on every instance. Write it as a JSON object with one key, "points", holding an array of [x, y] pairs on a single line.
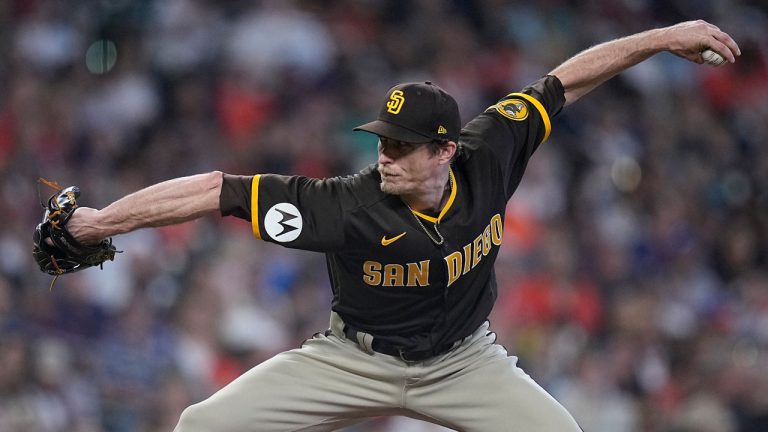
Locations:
{"points": [[54, 248]]}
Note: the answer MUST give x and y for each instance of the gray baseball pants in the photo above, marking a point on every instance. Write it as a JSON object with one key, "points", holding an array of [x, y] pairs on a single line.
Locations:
{"points": [[331, 382]]}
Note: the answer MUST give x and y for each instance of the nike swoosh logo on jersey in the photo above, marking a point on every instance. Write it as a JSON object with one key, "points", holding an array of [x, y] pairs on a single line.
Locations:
{"points": [[386, 242]]}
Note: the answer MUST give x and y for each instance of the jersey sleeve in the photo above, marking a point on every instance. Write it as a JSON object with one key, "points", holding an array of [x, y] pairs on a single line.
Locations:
{"points": [[295, 211], [515, 127]]}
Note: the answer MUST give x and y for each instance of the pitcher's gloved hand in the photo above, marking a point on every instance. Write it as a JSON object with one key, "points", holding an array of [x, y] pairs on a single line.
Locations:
{"points": [[55, 249]]}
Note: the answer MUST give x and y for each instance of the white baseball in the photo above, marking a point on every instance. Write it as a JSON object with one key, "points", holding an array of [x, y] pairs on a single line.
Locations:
{"points": [[712, 57]]}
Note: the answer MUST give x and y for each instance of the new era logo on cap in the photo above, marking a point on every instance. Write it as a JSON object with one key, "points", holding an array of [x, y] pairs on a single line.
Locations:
{"points": [[417, 113]]}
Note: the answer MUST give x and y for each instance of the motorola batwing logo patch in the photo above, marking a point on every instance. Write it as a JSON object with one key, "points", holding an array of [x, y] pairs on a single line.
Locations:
{"points": [[283, 222]]}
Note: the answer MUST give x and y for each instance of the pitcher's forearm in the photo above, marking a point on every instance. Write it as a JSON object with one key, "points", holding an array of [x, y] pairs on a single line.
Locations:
{"points": [[583, 72], [588, 69], [167, 203], [170, 202]]}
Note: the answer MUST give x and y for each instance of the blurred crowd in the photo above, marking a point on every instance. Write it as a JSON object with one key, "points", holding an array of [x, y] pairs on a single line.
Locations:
{"points": [[632, 282]]}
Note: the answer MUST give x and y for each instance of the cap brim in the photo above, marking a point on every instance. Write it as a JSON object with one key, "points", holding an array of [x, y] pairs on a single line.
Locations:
{"points": [[393, 131]]}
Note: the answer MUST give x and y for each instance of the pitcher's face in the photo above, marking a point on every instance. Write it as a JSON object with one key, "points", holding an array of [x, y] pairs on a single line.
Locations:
{"points": [[405, 167]]}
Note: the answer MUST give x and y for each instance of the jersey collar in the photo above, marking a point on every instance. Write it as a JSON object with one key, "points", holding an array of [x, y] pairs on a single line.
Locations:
{"points": [[448, 204]]}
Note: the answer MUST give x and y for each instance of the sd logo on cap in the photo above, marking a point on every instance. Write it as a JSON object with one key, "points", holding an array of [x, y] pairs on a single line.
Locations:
{"points": [[417, 113]]}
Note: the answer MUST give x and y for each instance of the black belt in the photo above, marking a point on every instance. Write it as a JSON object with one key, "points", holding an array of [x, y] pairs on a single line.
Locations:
{"points": [[383, 347]]}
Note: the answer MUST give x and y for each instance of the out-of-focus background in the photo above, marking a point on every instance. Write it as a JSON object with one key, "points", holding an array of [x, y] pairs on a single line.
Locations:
{"points": [[633, 280]]}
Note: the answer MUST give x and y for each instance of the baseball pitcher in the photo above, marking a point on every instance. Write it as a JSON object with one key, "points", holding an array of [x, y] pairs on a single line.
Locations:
{"points": [[410, 244]]}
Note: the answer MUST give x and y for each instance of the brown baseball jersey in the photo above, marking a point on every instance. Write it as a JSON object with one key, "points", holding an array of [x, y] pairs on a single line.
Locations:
{"points": [[391, 276]]}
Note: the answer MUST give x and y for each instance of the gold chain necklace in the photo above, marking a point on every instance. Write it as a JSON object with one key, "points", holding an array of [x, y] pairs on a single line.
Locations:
{"points": [[440, 240]]}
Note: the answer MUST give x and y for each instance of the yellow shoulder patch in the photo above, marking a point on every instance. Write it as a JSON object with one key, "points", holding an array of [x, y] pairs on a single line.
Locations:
{"points": [[513, 109]]}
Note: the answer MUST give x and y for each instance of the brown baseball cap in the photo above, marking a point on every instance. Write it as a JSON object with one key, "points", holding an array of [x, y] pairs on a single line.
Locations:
{"points": [[417, 113]]}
